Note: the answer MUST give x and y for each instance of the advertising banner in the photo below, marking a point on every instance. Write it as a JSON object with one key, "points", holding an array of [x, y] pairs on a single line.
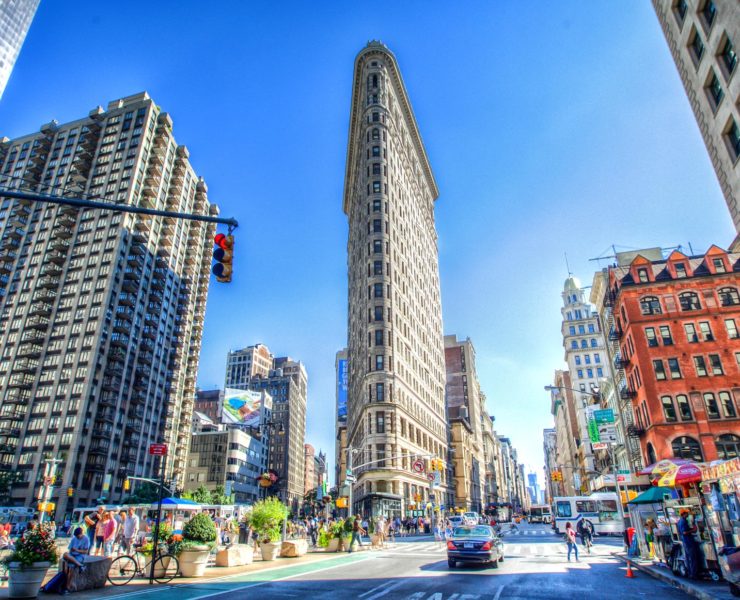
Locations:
{"points": [[342, 390], [244, 407]]}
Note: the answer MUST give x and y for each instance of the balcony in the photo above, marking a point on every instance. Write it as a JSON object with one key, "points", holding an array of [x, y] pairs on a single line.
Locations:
{"points": [[23, 381], [15, 232], [104, 432], [635, 431], [56, 256], [47, 282], [18, 397], [627, 394], [111, 384], [144, 227], [26, 365], [60, 244], [30, 349], [37, 322], [150, 333], [125, 313], [99, 447], [68, 210], [620, 362], [127, 299], [107, 415], [108, 399]]}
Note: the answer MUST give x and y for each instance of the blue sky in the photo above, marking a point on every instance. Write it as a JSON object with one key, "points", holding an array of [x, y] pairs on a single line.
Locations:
{"points": [[550, 128]]}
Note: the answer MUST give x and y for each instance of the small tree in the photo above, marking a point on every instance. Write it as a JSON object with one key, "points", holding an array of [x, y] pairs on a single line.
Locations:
{"points": [[202, 495], [199, 531], [7, 479], [267, 518], [145, 493], [218, 496]]}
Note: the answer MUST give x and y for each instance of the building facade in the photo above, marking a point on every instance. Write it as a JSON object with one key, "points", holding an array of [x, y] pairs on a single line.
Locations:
{"points": [[209, 403], [102, 312], [230, 455], [465, 406], [677, 320], [242, 365], [567, 432], [15, 21], [340, 442], [396, 407], [550, 448], [310, 478], [703, 37]]}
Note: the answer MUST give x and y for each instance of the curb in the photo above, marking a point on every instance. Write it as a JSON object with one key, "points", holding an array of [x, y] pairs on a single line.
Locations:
{"points": [[680, 584]]}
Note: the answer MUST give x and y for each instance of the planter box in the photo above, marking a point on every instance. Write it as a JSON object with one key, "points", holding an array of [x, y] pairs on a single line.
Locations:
{"points": [[24, 582], [294, 548], [270, 550], [193, 562], [94, 577], [235, 555], [333, 545]]}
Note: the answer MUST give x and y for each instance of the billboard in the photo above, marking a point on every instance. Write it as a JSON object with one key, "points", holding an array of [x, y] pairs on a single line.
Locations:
{"points": [[244, 407], [342, 390]]}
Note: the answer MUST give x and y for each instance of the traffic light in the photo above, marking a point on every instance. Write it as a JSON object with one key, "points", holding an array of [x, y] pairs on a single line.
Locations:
{"points": [[223, 254], [70, 492], [126, 485]]}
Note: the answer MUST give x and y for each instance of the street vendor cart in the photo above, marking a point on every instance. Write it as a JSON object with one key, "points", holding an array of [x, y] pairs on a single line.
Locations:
{"points": [[676, 560]]}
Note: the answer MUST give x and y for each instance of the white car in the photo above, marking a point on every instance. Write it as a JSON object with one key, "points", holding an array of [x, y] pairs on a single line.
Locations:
{"points": [[471, 518]]}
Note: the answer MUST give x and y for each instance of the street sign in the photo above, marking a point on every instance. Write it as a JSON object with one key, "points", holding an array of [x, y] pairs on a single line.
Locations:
{"points": [[604, 416], [349, 479], [608, 434], [158, 449], [418, 466]]}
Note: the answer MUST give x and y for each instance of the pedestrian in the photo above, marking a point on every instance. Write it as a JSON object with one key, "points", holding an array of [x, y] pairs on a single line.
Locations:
{"points": [[130, 530], [357, 532], [650, 528], [91, 521], [686, 529], [586, 534], [570, 539], [110, 527]]}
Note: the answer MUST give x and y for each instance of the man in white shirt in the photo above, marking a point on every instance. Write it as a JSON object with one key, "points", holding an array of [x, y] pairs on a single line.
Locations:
{"points": [[130, 530]]}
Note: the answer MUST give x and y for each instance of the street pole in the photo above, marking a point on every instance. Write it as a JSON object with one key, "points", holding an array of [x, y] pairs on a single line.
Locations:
{"points": [[155, 540], [350, 510], [620, 508]]}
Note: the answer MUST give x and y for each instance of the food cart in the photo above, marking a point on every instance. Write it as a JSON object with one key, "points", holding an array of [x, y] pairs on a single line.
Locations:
{"points": [[720, 488], [676, 561]]}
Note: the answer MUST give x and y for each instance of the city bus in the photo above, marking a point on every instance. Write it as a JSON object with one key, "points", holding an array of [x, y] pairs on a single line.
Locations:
{"points": [[599, 510], [540, 513]]}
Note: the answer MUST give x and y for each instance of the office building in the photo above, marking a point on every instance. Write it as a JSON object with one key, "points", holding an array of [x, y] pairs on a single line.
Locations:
{"points": [[396, 405], [101, 312], [703, 37], [15, 20]]}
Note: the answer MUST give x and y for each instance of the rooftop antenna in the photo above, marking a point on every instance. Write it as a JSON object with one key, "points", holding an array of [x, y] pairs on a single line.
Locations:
{"points": [[567, 266]]}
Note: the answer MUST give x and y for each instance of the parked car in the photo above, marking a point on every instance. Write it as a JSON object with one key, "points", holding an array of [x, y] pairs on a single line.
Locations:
{"points": [[455, 521], [471, 518], [478, 543]]}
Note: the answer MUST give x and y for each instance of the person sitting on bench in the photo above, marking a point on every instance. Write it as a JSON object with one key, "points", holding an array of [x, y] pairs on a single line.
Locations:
{"points": [[78, 548]]}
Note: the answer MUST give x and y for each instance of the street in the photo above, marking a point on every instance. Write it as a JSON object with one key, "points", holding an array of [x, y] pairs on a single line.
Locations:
{"points": [[416, 569]]}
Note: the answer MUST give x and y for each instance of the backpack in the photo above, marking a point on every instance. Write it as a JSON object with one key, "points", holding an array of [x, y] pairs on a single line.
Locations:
{"points": [[56, 584]]}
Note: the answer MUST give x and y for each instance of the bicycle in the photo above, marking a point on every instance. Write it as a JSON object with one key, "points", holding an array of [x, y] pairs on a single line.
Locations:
{"points": [[127, 566]]}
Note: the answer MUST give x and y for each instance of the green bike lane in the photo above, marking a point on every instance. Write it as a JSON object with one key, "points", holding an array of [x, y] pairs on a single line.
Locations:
{"points": [[202, 588]]}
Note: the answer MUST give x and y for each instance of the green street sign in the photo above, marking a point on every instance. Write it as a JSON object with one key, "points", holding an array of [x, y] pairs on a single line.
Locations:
{"points": [[593, 432]]}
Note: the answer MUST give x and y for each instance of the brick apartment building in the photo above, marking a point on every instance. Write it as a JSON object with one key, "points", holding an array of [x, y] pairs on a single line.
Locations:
{"points": [[678, 322]]}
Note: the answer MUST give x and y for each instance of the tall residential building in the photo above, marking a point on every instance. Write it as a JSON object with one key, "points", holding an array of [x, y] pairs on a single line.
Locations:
{"points": [[15, 20], [703, 36], [396, 408], [465, 407], [678, 324], [286, 381], [101, 312]]}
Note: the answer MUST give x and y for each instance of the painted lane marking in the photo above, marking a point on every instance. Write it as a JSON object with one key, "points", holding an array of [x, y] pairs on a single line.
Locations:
{"points": [[387, 589], [376, 588]]}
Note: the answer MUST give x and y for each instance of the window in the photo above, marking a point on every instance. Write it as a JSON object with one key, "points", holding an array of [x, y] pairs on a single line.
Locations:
{"points": [[600, 371], [378, 246], [716, 364], [728, 446], [652, 341], [674, 368], [586, 506], [571, 330], [380, 452], [697, 46], [700, 366], [728, 406], [376, 150], [733, 138], [706, 331], [688, 448], [651, 458], [650, 305], [376, 168], [597, 358], [574, 345], [378, 316], [377, 226], [719, 265], [377, 204], [562, 508], [591, 328], [659, 370], [642, 275], [680, 7], [380, 392], [578, 360], [378, 337], [581, 329], [669, 410], [378, 290], [689, 301], [593, 343], [580, 373], [715, 94], [590, 373], [731, 328], [378, 363], [376, 131], [709, 11], [587, 358], [691, 335], [378, 267], [380, 422], [729, 56], [729, 297], [711, 403], [665, 334], [680, 270], [584, 344], [376, 187], [684, 409]]}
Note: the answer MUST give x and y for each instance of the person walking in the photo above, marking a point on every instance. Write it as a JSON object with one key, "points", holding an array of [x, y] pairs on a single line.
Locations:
{"points": [[586, 534], [687, 529], [570, 539], [130, 530], [110, 527], [357, 532]]}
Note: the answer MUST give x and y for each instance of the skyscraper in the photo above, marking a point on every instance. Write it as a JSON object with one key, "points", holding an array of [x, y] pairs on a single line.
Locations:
{"points": [[15, 20], [101, 312], [703, 37], [396, 408]]}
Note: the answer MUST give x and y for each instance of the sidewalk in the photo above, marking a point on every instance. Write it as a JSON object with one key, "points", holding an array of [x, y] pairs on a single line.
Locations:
{"points": [[217, 578], [703, 589]]}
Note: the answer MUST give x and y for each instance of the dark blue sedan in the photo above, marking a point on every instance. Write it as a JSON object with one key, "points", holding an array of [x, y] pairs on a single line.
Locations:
{"points": [[477, 543]]}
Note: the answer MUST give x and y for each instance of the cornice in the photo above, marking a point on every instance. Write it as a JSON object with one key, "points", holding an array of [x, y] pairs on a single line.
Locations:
{"points": [[357, 108]]}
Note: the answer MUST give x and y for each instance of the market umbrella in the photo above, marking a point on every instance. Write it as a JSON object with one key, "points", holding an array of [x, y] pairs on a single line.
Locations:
{"points": [[682, 474], [653, 495], [664, 466]]}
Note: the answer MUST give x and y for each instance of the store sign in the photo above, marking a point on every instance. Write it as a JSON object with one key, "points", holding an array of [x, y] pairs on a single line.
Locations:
{"points": [[599, 446]]}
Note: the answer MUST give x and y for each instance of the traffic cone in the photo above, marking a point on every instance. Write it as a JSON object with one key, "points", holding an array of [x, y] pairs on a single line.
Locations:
{"points": [[630, 574]]}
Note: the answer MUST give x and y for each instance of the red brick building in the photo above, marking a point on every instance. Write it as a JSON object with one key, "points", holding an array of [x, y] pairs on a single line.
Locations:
{"points": [[678, 322]]}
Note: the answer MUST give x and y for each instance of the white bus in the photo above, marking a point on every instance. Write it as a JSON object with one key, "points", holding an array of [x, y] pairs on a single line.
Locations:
{"points": [[540, 513], [599, 510]]}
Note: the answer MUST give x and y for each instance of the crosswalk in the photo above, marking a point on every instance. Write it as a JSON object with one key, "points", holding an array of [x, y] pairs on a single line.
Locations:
{"points": [[547, 532], [511, 550]]}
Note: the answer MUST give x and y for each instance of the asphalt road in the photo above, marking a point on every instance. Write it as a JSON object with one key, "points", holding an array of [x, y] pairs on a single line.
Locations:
{"points": [[535, 568]]}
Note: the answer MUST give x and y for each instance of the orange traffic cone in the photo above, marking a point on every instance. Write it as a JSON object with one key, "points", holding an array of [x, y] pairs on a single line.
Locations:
{"points": [[630, 574]]}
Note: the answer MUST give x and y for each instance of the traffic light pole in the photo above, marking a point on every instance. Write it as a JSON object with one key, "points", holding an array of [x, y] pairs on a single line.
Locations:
{"points": [[100, 205]]}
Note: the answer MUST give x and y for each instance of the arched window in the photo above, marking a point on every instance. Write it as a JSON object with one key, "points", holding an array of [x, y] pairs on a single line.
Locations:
{"points": [[651, 458], [650, 305], [689, 301], [688, 448], [728, 296], [728, 446]]}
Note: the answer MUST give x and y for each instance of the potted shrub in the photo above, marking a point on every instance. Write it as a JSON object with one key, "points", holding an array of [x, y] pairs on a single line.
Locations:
{"points": [[336, 533], [267, 519], [34, 553], [198, 539]]}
